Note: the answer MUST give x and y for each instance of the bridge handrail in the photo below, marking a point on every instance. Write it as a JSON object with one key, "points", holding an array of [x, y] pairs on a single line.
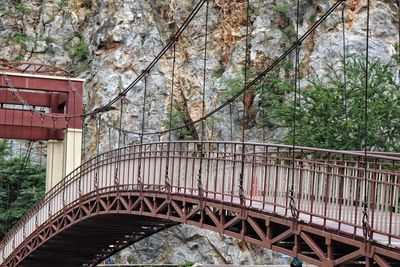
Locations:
{"points": [[77, 170], [93, 162]]}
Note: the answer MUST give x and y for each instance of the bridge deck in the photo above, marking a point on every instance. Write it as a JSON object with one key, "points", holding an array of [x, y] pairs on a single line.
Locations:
{"points": [[329, 186]]}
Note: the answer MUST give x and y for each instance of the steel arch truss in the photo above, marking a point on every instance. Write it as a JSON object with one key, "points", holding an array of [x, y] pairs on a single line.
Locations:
{"points": [[317, 246]]}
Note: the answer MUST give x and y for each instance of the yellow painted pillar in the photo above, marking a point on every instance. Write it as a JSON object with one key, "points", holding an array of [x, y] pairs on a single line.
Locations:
{"points": [[72, 150], [54, 170], [63, 157]]}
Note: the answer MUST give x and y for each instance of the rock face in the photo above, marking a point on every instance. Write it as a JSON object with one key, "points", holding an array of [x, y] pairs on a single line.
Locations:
{"points": [[109, 43], [182, 244]]}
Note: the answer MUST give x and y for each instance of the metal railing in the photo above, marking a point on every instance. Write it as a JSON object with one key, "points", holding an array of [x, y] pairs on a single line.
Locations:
{"points": [[329, 185]]}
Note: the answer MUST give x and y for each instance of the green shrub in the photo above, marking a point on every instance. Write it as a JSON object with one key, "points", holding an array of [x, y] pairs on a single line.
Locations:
{"points": [[188, 264], [282, 9], [16, 38], [312, 18], [235, 85], [79, 51], [218, 72], [62, 4], [177, 120], [23, 9], [48, 40]]}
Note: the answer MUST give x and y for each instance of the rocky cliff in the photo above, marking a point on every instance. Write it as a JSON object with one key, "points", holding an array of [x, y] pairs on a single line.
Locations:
{"points": [[110, 42]]}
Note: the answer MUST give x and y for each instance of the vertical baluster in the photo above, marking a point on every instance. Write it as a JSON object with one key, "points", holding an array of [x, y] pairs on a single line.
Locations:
{"points": [[300, 184], [233, 173], [252, 179], [266, 176], [276, 178]]}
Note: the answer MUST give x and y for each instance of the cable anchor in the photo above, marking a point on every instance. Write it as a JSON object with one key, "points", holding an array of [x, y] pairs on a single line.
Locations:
{"points": [[292, 205], [367, 230]]}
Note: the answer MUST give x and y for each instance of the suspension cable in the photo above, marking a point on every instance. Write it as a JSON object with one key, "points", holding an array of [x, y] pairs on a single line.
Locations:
{"points": [[117, 171], [98, 135], [65, 153], [74, 129], [231, 121], [253, 82], [167, 180], [292, 202], [365, 218], [165, 49], [109, 136], [30, 146], [263, 112], [246, 73], [66, 137], [120, 122], [346, 130], [145, 73], [83, 139], [199, 176]]}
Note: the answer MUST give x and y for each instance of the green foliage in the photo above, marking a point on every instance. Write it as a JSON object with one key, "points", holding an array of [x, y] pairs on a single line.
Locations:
{"points": [[287, 65], [177, 120], [282, 9], [312, 18], [48, 40], [289, 33], [163, 5], [396, 55], [129, 259], [164, 33], [63, 4], [218, 72], [16, 38], [22, 184], [323, 121], [23, 9], [17, 58], [234, 85], [188, 264], [79, 51], [82, 67], [273, 93], [2, 7], [87, 3], [254, 11]]}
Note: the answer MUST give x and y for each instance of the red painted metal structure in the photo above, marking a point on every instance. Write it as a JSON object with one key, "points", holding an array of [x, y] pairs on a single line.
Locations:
{"points": [[54, 101], [108, 203]]}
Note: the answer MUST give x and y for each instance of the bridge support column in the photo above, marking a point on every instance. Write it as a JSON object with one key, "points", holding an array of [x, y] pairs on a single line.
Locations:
{"points": [[63, 157], [54, 168], [72, 150]]}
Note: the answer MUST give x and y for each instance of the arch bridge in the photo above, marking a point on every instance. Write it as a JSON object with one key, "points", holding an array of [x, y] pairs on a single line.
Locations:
{"points": [[326, 207], [321, 225]]}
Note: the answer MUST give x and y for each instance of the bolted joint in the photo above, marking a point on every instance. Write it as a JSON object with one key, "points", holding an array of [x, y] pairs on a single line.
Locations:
{"points": [[145, 72], [297, 43], [174, 38]]}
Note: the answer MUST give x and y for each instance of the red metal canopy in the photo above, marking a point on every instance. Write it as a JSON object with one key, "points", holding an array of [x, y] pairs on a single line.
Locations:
{"points": [[38, 102]]}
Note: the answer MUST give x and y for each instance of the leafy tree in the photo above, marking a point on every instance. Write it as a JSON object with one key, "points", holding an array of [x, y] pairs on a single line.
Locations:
{"points": [[22, 184], [324, 120], [177, 120], [273, 94]]}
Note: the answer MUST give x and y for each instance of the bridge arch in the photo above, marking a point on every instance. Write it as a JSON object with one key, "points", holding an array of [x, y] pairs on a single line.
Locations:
{"points": [[129, 184]]}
